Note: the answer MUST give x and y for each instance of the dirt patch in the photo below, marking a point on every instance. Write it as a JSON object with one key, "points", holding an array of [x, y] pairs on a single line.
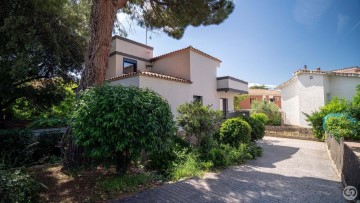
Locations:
{"points": [[80, 186]]}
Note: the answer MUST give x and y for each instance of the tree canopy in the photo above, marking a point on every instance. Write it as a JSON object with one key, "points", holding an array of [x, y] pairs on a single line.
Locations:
{"points": [[42, 46], [169, 16], [263, 87]]}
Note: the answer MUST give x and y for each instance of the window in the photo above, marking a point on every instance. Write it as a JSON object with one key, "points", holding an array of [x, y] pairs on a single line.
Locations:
{"points": [[198, 99], [252, 99], [277, 98], [129, 66], [271, 100]]}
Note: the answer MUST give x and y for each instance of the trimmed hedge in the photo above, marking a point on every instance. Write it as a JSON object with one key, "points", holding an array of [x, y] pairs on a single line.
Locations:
{"points": [[234, 132]]}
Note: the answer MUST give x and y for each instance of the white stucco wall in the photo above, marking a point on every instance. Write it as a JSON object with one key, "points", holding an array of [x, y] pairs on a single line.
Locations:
{"points": [[133, 49], [203, 76], [177, 65], [343, 87], [290, 103], [229, 96]]}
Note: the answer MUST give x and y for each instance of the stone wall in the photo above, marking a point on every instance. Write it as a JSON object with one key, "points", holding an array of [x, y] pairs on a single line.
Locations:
{"points": [[290, 132], [346, 157]]}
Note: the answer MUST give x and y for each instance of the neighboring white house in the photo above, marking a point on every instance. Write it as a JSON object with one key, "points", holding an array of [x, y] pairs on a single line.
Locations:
{"points": [[180, 76], [308, 90]]}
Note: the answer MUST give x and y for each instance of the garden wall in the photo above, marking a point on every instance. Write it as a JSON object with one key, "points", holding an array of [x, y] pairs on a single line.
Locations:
{"points": [[290, 132], [346, 157]]}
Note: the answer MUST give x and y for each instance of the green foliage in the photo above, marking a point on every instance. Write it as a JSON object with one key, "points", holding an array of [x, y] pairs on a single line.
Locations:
{"points": [[263, 87], [190, 167], [198, 120], [342, 127], [234, 132], [316, 118], [114, 123], [257, 127], [237, 99], [125, 183], [172, 17], [40, 50], [254, 150], [260, 117], [22, 148], [354, 108], [17, 147], [225, 155], [16, 186], [269, 109], [48, 123]]}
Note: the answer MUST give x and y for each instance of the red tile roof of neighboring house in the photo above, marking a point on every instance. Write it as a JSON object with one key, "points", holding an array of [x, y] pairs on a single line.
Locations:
{"points": [[349, 72], [187, 48], [262, 92], [149, 74]]}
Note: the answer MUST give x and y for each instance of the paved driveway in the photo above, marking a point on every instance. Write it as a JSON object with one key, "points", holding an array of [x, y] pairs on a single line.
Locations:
{"points": [[289, 171]]}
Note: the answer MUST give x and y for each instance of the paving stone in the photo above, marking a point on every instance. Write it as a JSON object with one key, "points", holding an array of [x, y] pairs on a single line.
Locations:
{"points": [[289, 171]]}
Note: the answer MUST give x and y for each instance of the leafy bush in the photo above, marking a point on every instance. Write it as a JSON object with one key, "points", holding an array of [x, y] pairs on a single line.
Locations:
{"points": [[190, 167], [257, 128], [226, 155], [16, 186], [254, 150], [316, 118], [260, 117], [198, 120], [114, 123], [17, 147], [342, 127], [126, 183], [269, 109], [234, 132], [48, 123], [354, 108]]}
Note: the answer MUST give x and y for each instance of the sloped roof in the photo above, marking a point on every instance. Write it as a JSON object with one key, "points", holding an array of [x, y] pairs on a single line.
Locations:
{"points": [[184, 49], [348, 72], [149, 74], [262, 92]]}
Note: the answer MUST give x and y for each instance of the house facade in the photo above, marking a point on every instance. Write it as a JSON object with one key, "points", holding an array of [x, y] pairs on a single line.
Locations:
{"points": [[261, 95], [308, 90], [180, 76]]}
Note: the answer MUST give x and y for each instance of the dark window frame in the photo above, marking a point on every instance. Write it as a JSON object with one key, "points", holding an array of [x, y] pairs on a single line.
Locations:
{"points": [[198, 98], [129, 61]]}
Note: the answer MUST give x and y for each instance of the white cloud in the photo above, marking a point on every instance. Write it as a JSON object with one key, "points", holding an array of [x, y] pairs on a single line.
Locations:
{"points": [[342, 21], [308, 13]]}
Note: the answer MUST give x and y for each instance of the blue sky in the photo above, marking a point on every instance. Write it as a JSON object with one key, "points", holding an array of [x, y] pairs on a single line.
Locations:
{"points": [[266, 41]]}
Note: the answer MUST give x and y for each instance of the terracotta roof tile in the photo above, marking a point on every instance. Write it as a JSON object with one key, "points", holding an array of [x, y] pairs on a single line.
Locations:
{"points": [[262, 92], [149, 74], [187, 48]]}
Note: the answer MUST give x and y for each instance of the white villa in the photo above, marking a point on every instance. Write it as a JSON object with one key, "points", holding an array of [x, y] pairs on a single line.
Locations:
{"points": [[180, 76], [308, 90]]}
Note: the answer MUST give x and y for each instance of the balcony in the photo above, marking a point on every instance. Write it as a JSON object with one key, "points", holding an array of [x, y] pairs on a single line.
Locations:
{"points": [[230, 84]]}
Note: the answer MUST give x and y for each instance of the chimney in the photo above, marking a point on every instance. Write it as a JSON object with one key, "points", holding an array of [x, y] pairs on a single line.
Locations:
{"points": [[318, 68], [305, 67]]}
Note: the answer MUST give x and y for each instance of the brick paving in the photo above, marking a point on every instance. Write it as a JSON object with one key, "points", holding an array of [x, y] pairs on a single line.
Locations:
{"points": [[289, 171]]}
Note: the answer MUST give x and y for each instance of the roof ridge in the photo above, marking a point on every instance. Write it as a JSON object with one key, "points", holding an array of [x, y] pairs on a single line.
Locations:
{"points": [[149, 74], [183, 49]]}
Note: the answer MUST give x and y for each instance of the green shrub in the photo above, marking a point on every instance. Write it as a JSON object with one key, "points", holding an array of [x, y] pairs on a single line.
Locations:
{"points": [[125, 183], [235, 131], [48, 123], [190, 167], [17, 147], [16, 186], [254, 150], [114, 123], [342, 127], [260, 117], [226, 155], [316, 118], [354, 108], [198, 120], [257, 128], [269, 109]]}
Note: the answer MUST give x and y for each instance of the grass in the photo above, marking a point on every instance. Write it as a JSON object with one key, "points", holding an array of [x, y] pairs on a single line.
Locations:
{"points": [[126, 183], [189, 168]]}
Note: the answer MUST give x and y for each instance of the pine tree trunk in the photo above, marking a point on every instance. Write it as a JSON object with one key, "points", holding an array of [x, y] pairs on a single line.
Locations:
{"points": [[103, 13]]}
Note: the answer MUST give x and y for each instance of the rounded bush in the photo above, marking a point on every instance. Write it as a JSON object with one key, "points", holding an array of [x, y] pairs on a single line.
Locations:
{"points": [[114, 123], [257, 128], [235, 131], [260, 117]]}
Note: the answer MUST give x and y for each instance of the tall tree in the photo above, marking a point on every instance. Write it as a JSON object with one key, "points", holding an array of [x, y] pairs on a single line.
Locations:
{"points": [[263, 87], [42, 45], [169, 16]]}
